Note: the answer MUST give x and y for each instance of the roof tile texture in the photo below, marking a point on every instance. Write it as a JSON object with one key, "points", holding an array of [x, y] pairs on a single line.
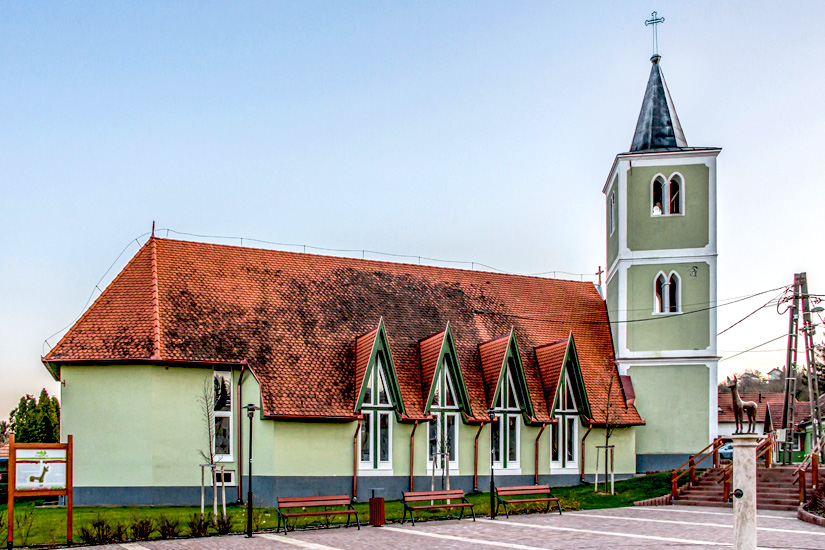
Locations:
{"points": [[295, 318]]}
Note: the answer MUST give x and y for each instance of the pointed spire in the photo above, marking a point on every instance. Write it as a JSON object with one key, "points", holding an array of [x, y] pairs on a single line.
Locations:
{"points": [[658, 126]]}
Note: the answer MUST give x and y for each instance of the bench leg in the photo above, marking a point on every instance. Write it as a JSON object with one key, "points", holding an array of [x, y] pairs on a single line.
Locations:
{"points": [[558, 504], [473, 513], [357, 522]]}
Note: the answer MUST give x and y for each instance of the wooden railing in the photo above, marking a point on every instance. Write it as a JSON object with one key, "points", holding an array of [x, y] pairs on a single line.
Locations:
{"points": [[711, 450], [812, 460], [763, 449]]}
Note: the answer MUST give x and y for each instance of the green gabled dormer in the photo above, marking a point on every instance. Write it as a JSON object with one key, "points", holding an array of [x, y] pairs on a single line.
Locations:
{"points": [[505, 382], [376, 372]]}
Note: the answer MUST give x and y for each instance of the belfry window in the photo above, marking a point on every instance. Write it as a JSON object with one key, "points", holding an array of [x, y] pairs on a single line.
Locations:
{"points": [[376, 427], [612, 212], [675, 205], [667, 196], [507, 424], [667, 293]]}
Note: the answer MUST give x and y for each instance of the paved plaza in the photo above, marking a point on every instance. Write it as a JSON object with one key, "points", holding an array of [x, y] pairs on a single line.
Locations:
{"points": [[643, 527]]}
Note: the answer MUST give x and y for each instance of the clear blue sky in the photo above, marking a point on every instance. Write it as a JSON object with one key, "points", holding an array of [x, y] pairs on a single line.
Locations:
{"points": [[477, 131]]}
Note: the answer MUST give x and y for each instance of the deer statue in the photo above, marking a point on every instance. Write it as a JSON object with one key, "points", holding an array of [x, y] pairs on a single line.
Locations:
{"points": [[740, 407]]}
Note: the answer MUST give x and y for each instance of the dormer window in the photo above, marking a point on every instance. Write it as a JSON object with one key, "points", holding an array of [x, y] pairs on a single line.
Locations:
{"points": [[507, 424], [442, 434], [667, 196], [376, 428], [667, 293]]}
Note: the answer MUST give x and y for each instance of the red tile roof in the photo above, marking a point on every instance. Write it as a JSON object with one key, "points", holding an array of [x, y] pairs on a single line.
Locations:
{"points": [[295, 318], [551, 362], [775, 400], [4, 450], [363, 350], [492, 355]]}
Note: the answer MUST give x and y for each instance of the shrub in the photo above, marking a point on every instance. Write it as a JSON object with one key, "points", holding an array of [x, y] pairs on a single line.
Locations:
{"points": [[224, 524], [816, 505], [167, 527], [141, 528], [199, 526], [102, 531], [24, 523]]}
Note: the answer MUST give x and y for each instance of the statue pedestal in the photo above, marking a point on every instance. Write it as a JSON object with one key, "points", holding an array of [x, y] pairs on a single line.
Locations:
{"points": [[744, 479]]}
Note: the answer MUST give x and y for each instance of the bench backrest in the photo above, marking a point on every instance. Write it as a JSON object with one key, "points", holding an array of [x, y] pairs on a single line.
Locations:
{"points": [[301, 502], [523, 490], [433, 495]]}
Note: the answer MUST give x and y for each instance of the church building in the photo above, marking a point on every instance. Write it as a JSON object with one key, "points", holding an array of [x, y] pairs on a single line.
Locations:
{"points": [[386, 375]]}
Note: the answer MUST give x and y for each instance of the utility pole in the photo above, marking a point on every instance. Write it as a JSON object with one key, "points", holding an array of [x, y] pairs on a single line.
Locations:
{"points": [[800, 301]]}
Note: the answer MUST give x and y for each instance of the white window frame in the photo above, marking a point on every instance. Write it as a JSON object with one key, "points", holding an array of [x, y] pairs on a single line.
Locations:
{"points": [[230, 414], [665, 307], [612, 212], [229, 475], [504, 411], [666, 183], [441, 411], [372, 412], [559, 433]]}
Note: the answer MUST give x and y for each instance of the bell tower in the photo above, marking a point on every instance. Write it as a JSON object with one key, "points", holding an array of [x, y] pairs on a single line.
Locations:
{"points": [[661, 280]]}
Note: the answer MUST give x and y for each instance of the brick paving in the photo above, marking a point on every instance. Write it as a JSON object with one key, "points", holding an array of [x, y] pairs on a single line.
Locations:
{"points": [[619, 528]]}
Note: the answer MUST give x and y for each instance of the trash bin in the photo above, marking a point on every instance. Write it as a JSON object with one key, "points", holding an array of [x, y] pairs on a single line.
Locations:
{"points": [[376, 509]]}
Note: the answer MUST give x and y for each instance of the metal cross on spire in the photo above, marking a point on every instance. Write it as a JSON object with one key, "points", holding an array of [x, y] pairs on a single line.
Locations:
{"points": [[654, 20]]}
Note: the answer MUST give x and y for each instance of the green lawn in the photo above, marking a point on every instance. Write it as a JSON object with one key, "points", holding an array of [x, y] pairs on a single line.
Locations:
{"points": [[46, 525]]}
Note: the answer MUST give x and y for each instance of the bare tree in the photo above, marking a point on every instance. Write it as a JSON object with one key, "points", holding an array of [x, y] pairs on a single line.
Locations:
{"points": [[207, 404], [608, 414]]}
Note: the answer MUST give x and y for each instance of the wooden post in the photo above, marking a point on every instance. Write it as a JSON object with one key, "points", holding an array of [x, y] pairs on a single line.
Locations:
{"points": [[612, 474], [10, 486], [692, 466], [69, 487], [202, 491], [801, 486], [716, 452], [768, 457], [674, 493], [814, 471], [223, 489]]}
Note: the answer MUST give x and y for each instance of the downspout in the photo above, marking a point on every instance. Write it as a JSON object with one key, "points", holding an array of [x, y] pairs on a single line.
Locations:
{"points": [[355, 461], [589, 427], [475, 460], [240, 435], [412, 453], [537, 451]]}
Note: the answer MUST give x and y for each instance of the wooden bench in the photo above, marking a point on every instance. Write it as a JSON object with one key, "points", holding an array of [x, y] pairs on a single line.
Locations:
{"points": [[446, 496], [315, 502], [525, 490]]}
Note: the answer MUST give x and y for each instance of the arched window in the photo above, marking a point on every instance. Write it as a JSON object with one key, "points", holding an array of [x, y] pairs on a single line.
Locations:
{"points": [[666, 196], [673, 293], [667, 293], [675, 206], [657, 203], [661, 294]]}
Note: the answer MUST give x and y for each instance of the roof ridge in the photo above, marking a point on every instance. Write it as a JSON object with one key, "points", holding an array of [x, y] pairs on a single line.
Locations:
{"points": [[96, 301], [373, 261], [156, 355]]}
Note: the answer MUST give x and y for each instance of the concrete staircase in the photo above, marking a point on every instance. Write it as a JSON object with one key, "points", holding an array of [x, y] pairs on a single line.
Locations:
{"points": [[775, 489]]}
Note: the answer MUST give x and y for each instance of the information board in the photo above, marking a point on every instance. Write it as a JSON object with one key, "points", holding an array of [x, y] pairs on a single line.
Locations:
{"points": [[40, 469]]}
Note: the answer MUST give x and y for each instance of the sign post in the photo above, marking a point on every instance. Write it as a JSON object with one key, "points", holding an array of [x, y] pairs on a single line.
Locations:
{"points": [[39, 470]]}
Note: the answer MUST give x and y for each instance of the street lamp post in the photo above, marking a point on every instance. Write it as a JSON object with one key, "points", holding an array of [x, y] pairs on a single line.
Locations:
{"points": [[250, 412], [492, 415]]}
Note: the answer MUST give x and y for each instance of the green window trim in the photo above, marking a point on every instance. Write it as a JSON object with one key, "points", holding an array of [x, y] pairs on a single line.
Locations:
{"points": [[381, 349], [512, 364], [449, 357]]}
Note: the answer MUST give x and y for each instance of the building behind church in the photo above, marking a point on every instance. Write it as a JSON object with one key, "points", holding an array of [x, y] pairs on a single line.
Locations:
{"points": [[384, 375]]}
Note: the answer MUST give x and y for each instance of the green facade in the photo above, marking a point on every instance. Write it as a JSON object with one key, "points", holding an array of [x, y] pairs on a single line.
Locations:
{"points": [[675, 408], [652, 332], [120, 417], [613, 235], [689, 230]]}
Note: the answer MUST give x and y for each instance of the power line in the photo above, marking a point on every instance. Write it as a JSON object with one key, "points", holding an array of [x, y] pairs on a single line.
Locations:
{"points": [[754, 347], [753, 312]]}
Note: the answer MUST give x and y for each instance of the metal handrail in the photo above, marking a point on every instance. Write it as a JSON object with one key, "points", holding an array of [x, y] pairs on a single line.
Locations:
{"points": [[711, 449]]}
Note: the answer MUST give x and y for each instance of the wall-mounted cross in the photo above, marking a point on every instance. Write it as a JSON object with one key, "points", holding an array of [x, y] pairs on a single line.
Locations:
{"points": [[654, 20]]}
